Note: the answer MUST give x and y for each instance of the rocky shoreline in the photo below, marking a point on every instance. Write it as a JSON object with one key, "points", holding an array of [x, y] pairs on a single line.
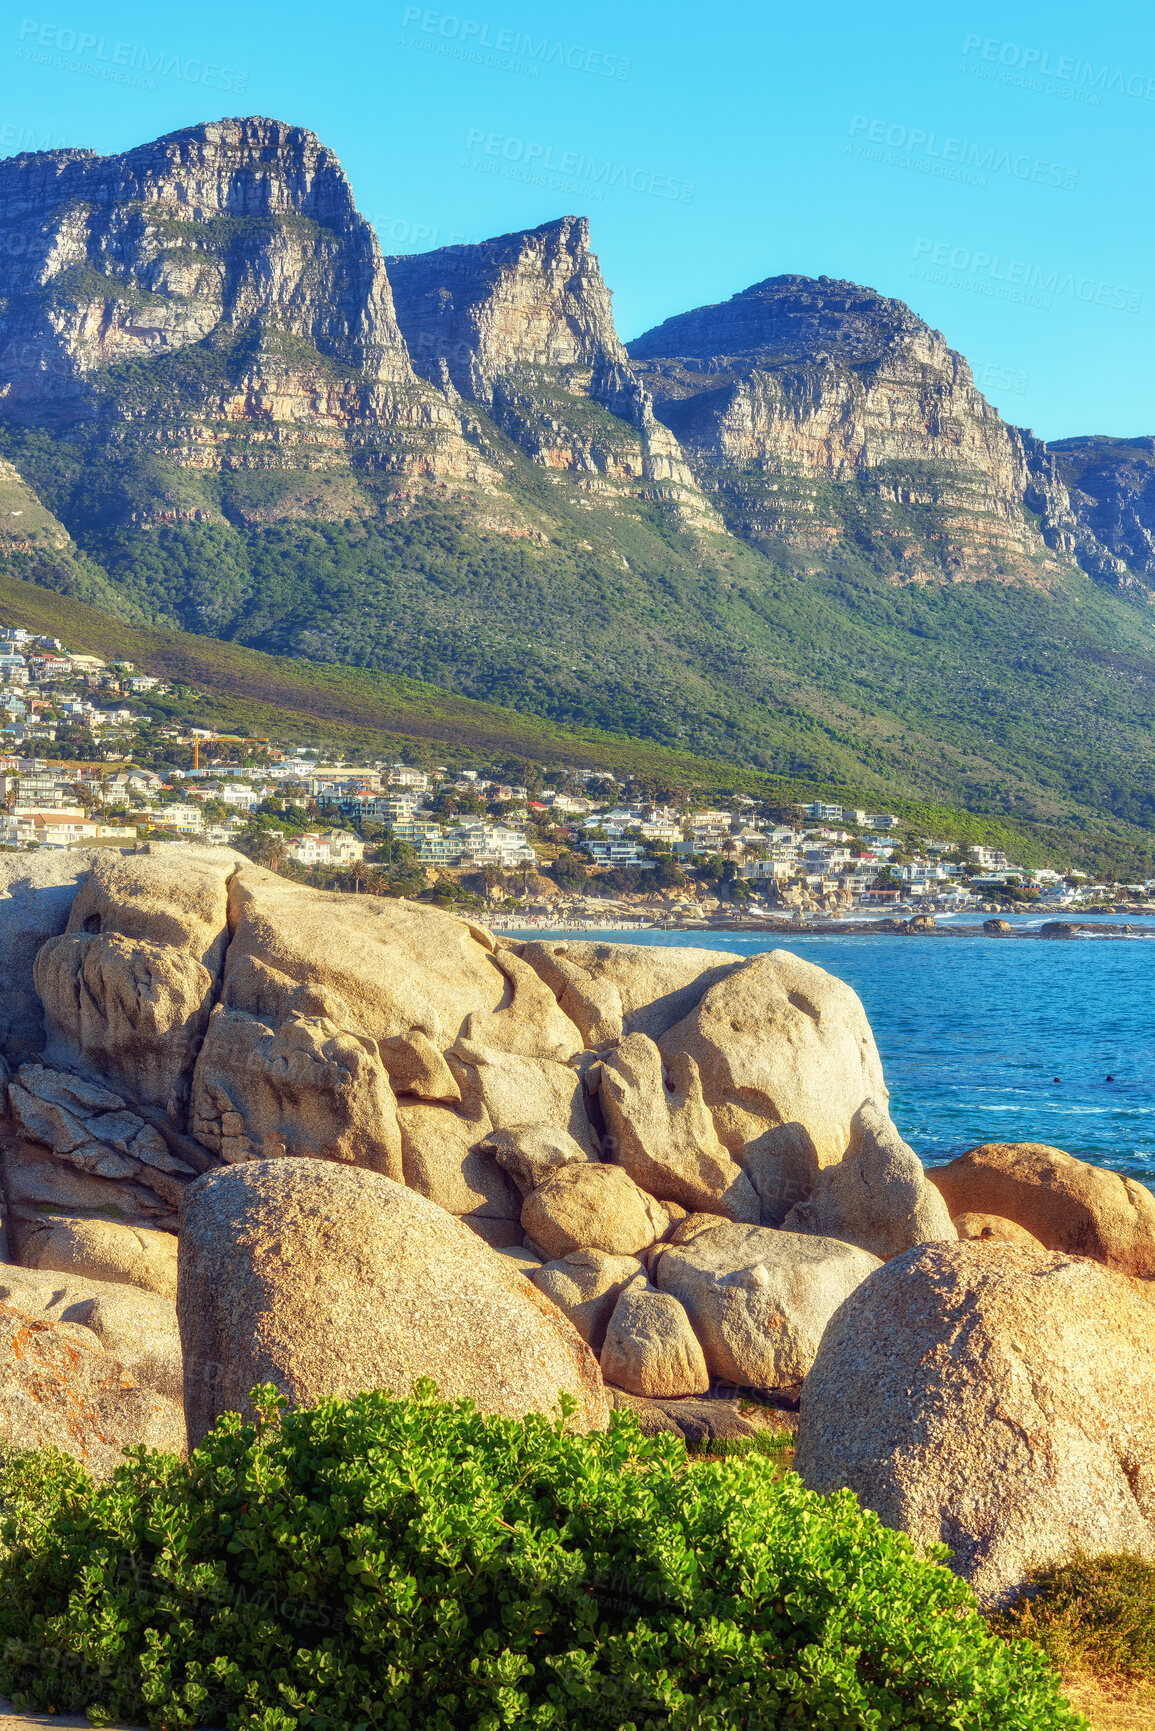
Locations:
{"points": [[255, 1132], [918, 925]]}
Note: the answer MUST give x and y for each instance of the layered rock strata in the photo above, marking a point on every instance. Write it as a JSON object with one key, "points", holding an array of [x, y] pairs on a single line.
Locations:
{"points": [[218, 298], [522, 326], [799, 383], [209, 323]]}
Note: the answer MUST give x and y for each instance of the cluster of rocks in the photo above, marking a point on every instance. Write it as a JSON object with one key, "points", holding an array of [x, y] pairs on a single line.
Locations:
{"points": [[352, 1142]]}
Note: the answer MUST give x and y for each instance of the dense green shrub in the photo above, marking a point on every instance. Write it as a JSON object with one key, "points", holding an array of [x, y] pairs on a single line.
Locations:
{"points": [[407, 1564]]}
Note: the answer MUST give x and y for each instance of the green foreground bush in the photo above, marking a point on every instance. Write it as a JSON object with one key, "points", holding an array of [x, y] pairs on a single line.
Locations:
{"points": [[408, 1564]]}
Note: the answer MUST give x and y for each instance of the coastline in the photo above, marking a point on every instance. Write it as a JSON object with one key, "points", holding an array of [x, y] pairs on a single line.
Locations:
{"points": [[1089, 927]]}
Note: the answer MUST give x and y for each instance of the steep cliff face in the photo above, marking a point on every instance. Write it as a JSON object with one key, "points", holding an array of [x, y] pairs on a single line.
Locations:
{"points": [[805, 404], [111, 259], [223, 408], [1111, 484], [522, 325], [216, 298], [535, 298]]}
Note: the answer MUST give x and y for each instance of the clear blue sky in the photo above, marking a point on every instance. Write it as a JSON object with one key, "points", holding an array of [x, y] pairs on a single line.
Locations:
{"points": [[990, 164]]}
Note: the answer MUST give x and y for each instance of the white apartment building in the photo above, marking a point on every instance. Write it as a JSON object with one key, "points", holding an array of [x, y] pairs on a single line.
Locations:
{"points": [[615, 852], [184, 819], [400, 775], [331, 847], [239, 796], [488, 844]]}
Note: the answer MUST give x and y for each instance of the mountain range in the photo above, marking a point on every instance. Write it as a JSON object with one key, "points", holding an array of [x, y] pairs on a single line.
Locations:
{"points": [[786, 530]]}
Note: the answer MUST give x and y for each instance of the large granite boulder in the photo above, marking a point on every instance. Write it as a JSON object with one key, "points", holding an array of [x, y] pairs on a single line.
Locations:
{"points": [[170, 895], [415, 1065], [324, 999], [878, 1197], [786, 1058], [529, 1020], [596, 1101], [530, 1152], [1065, 1203], [591, 1206], [301, 1085], [995, 1399], [613, 990], [660, 1131], [381, 966], [132, 1011], [650, 1348], [128, 989], [759, 1300], [507, 1090], [327, 1279], [444, 1158], [37, 891]]}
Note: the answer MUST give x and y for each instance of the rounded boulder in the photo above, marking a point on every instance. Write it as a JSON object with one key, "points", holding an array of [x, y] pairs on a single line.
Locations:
{"points": [[993, 1398], [759, 1299], [327, 1280], [1065, 1203]]}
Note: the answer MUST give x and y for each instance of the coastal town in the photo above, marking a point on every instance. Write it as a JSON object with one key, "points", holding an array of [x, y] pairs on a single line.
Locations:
{"points": [[84, 763], [577, 870]]}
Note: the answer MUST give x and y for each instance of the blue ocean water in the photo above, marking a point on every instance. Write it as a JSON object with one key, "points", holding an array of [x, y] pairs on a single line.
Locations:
{"points": [[973, 1032]]}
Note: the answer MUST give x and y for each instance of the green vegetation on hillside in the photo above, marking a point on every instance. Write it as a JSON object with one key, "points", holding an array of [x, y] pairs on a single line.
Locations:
{"points": [[1010, 701], [239, 690], [419, 1567]]}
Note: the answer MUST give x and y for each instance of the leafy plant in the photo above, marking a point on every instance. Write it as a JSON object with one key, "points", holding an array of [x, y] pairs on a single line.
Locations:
{"points": [[407, 1564]]}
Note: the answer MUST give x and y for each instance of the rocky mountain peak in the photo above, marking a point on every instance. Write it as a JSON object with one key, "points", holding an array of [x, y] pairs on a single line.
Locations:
{"points": [[534, 298], [802, 377], [789, 320], [523, 324], [228, 226], [232, 167]]}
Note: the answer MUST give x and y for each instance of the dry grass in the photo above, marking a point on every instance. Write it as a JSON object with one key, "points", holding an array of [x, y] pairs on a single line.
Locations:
{"points": [[1095, 1619], [1111, 1704]]}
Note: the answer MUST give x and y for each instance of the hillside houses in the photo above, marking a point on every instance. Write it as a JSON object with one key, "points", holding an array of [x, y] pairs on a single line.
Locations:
{"points": [[291, 805]]}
